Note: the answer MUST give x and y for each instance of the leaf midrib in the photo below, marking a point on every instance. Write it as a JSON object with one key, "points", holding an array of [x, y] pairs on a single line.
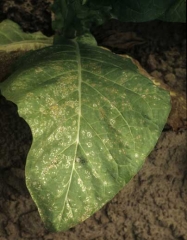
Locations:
{"points": [[79, 120]]}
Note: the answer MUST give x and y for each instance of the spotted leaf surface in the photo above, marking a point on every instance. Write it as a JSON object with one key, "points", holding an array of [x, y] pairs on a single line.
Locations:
{"points": [[94, 119]]}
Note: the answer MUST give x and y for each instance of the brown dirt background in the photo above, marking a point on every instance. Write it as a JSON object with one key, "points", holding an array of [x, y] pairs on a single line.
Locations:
{"points": [[153, 205]]}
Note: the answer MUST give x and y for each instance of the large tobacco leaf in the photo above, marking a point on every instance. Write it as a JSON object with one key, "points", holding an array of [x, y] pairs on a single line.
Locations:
{"points": [[94, 119], [12, 38]]}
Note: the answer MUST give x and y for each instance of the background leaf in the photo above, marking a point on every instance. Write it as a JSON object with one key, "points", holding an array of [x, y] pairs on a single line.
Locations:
{"points": [[94, 118], [176, 13], [12, 38], [140, 11], [74, 18]]}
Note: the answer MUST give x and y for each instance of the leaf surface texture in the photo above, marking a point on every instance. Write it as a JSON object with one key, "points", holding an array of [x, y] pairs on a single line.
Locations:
{"points": [[12, 38], [94, 119]]}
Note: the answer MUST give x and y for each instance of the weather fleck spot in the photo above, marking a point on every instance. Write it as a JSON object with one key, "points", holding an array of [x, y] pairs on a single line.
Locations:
{"points": [[112, 121], [89, 144], [105, 183], [89, 134], [136, 155]]}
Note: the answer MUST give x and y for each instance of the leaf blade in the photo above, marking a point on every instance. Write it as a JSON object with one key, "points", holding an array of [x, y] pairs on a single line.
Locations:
{"points": [[91, 114], [176, 12], [12, 38]]}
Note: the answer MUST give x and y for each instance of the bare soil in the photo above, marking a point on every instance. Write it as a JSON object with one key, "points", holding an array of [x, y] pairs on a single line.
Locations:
{"points": [[153, 205]]}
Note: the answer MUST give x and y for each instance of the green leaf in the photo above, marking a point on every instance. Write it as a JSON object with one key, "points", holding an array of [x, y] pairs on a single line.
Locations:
{"points": [[12, 38], [87, 38], [144, 10], [176, 13], [94, 118], [140, 11], [75, 18]]}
